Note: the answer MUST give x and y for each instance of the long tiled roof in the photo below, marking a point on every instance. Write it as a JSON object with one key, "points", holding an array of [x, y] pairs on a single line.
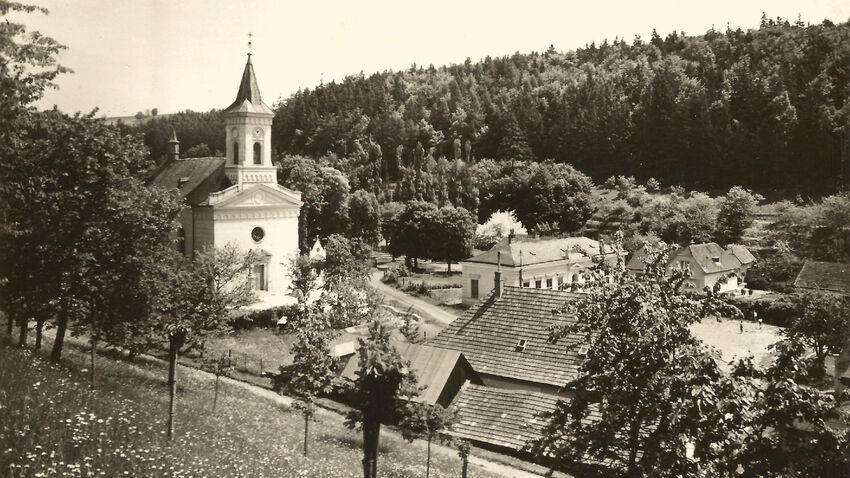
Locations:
{"points": [[832, 276], [488, 332], [526, 251], [188, 174], [501, 417]]}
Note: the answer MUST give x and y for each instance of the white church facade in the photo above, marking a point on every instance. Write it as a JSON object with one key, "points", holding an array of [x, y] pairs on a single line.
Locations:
{"points": [[236, 199]]}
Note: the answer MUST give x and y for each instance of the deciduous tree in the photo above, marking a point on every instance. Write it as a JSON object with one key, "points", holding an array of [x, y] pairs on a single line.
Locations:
{"points": [[384, 381]]}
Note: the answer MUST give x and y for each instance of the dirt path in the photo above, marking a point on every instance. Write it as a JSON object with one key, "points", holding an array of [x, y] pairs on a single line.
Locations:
{"points": [[422, 308]]}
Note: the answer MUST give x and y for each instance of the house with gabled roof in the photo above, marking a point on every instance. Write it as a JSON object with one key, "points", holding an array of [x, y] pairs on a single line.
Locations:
{"points": [[708, 264], [236, 199], [505, 338], [554, 263]]}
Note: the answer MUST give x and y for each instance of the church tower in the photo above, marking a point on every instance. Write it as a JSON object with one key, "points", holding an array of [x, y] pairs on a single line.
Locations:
{"points": [[248, 123]]}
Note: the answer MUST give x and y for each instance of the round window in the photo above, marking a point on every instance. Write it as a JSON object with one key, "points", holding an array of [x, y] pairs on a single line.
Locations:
{"points": [[257, 234]]}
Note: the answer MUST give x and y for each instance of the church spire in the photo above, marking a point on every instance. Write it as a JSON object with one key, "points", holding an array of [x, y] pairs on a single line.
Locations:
{"points": [[173, 146], [249, 90]]}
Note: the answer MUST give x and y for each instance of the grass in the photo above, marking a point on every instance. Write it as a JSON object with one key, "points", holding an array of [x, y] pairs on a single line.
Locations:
{"points": [[51, 424]]}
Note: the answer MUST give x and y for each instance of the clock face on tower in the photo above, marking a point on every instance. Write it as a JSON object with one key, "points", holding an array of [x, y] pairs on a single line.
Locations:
{"points": [[258, 132]]}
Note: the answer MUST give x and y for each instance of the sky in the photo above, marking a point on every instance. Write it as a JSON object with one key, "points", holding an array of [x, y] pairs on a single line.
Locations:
{"points": [[135, 55]]}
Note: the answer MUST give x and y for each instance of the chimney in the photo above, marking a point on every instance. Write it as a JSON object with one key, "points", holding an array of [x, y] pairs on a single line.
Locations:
{"points": [[173, 147], [511, 236], [497, 284]]}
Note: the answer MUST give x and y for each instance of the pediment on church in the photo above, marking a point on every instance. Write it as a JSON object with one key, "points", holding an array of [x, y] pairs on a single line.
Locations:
{"points": [[261, 195]]}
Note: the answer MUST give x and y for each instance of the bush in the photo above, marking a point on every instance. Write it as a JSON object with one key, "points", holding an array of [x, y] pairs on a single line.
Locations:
{"points": [[394, 273], [266, 319], [777, 309]]}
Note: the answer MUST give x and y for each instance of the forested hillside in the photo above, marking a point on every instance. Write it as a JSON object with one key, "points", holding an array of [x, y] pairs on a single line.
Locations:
{"points": [[763, 108]]}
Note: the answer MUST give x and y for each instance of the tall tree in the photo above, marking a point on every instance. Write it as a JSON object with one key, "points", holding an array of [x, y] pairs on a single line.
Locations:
{"points": [[364, 212], [822, 322], [455, 227], [383, 378], [195, 301], [736, 214]]}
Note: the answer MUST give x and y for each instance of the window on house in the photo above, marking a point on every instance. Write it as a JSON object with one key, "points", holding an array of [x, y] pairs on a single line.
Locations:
{"points": [[526, 284], [258, 277], [235, 152], [473, 288], [538, 283], [520, 345], [258, 153], [560, 282], [548, 283]]}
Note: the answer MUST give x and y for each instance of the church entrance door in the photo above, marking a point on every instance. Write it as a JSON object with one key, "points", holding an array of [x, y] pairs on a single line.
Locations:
{"points": [[259, 277]]}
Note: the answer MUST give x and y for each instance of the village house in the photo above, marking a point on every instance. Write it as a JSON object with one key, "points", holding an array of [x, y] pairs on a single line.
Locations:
{"points": [[708, 264], [236, 199], [505, 338], [541, 263]]}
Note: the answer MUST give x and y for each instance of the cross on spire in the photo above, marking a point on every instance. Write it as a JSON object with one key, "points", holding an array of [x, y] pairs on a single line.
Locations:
{"points": [[249, 43]]}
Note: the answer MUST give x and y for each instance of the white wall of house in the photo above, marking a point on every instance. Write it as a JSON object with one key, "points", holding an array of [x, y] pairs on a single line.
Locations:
{"points": [[547, 275]]}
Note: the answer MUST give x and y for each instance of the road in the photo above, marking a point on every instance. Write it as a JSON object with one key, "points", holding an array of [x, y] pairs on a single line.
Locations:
{"points": [[424, 309]]}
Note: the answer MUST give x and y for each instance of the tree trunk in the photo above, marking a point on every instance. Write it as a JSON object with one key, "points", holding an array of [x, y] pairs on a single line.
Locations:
{"points": [[173, 350], [416, 263], [371, 435], [306, 430], [39, 327], [448, 268], [215, 397], [464, 464], [61, 327], [91, 355], [22, 338], [10, 323], [634, 435], [428, 460]]}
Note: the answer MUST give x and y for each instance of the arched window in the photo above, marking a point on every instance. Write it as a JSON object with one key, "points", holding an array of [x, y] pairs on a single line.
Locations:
{"points": [[258, 153], [235, 152]]}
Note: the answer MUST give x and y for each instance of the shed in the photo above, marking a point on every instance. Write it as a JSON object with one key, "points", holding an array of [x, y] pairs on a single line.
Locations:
{"points": [[442, 372]]}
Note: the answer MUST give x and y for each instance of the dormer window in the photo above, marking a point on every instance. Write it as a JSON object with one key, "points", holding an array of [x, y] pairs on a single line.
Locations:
{"points": [[583, 350], [182, 181], [716, 260], [520, 345]]}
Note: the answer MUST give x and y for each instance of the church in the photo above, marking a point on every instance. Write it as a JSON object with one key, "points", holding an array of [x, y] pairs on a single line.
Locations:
{"points": [[236, 199]]}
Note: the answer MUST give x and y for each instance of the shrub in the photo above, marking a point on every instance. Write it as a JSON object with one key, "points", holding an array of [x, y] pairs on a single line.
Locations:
{"points": [[394, 273], [776, 309]]}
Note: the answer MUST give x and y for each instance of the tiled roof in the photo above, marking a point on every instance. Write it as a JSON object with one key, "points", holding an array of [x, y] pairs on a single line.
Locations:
{"points": [[833, 276], [525, 250], [501, 417], [743, 254], [703, 254], [432, 366], [488, 332], [191, 172]]}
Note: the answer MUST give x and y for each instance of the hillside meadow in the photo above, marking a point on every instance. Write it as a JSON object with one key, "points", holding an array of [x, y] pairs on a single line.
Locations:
{"points": [[52, 425]]}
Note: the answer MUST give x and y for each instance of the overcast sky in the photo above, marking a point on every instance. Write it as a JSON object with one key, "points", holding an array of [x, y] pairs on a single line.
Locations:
{"points": [[172, 55]]}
